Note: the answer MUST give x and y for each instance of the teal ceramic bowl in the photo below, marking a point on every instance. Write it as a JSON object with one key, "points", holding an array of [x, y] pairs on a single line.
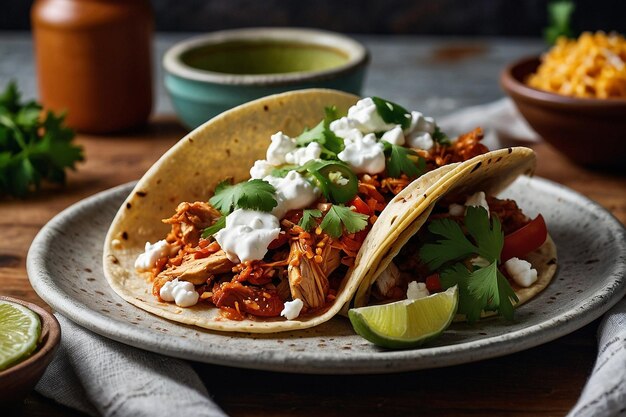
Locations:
{"points": [[209, 74]]}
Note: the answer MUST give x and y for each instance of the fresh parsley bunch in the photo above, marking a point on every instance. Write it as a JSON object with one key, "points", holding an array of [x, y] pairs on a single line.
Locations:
{"points": [[32, 148], [480, 287]]}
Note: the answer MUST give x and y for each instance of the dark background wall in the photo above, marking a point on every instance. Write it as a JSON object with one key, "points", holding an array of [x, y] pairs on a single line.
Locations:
{"points": [[430, 17]]}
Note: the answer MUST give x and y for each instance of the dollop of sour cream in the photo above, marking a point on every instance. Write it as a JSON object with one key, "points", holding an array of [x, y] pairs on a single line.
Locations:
{"points": [[152, 253], [301, 156], [292, 309], [367, 118], [364, 155], [183, 293], [247, 234], [394, 136], [261, 169], [280, 146], [293, 192], [419, 133]]}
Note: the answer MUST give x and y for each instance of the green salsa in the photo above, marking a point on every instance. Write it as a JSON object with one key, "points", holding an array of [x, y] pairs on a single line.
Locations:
{"points": [[263, 57]]}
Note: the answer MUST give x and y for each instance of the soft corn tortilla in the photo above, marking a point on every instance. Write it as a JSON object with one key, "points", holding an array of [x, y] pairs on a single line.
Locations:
{"points": [[227, 146], [492, 173]]}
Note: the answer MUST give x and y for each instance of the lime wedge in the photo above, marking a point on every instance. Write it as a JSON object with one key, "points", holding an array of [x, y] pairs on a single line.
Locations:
{"points": [[20, 329], [406, 323]]}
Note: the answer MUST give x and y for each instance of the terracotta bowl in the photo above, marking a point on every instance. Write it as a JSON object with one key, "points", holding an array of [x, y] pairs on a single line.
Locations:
{"points": [[588, 131], [17, 381]]}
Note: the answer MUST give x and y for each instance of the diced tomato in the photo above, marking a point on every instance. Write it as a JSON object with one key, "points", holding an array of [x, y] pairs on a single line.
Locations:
{"points": [[360, 206], [525, 239], [433, 283], [279, 241]]}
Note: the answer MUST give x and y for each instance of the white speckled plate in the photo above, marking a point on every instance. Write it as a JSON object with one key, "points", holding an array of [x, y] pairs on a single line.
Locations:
{"points": [[64, 266]]}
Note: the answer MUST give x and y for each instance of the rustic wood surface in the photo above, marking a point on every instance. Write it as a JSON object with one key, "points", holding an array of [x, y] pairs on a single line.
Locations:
{"points": [[543, 381]]}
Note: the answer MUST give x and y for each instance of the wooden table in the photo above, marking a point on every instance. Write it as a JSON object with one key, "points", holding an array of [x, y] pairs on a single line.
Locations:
{"points": [[543, 381]]}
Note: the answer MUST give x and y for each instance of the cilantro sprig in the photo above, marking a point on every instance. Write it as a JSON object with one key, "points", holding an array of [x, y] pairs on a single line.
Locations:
{"points": [[331, 144], [392, 113], [339, 217], [403, 160], [479, 288], [440, 137], [32, 148], [251, 195], [307, 222]]}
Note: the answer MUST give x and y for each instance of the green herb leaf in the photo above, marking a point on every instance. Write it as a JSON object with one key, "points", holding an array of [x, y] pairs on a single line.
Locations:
{"points": [[331, 144], [340, 217], [559, 16], [484, 288], [251, 195], [214, 228], [33, 148], [403, 160], [453, 247], [307, 222], [392, 113], [440, 137]]}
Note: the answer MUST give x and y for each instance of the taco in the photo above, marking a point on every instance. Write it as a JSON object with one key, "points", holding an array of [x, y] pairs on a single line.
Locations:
{"points": [[227, 233], [463, 235]]}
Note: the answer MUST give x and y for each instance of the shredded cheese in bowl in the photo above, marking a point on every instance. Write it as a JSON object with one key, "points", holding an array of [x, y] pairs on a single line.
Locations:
{"points": [[592, 66]]}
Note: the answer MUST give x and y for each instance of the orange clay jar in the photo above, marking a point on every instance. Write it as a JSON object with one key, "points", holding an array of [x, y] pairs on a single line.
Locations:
{"points": [[94, 61]]}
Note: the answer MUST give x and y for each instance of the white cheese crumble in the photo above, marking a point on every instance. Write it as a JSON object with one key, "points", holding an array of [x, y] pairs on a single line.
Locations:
{"points": [[419, 133], [394, 136], [292, 309], [416, 290], [281, 145], [367, 118], [346, 128], [261, 169], [301, 156], [420, 140], [456, 210], [521, 271], [477, 200], [293, 192], [152, 253], [247, 235], [364, 155], [183, 293]]}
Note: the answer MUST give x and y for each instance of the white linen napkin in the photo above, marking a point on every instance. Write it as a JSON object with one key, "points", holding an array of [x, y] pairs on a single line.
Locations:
{"points": [[500, 120], [99, 376], [604, 394]]}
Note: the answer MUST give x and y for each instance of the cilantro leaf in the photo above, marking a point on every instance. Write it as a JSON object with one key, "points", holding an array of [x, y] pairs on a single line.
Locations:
{"points": [[214, 228], [32, 148], [251, 195], [488, 237], [403, 160], [331, 144], [483, 288], [454, 245], [307, 222], [392, 113], [559, 16], [340, 217], [440, 137]]}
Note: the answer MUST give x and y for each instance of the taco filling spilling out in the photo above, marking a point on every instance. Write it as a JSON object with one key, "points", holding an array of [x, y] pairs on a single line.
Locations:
{"points": [[476, 242], [281, 243]]}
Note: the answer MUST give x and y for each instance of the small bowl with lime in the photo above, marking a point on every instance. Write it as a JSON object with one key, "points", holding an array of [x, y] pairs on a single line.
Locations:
{"points": [[29, 337], [211, 73]]}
